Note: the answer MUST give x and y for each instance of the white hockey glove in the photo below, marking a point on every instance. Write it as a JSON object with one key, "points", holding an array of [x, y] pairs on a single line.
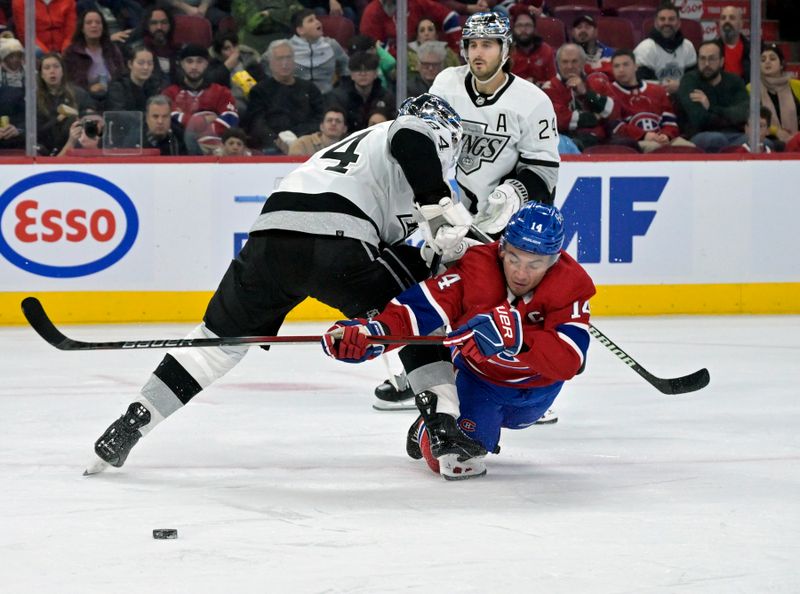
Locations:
{"points": [[447, 259], [495, 212], [443, 227]]}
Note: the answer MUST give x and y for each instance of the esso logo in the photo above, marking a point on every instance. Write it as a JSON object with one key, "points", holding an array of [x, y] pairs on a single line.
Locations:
{"points": [[66, 224]]}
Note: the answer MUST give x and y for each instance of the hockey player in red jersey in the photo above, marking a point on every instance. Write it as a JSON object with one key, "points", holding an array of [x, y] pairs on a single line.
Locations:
{"points": [[520, 313]]}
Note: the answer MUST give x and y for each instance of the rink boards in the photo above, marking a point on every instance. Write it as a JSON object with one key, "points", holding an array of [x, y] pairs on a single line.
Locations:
{"points": [[148, 241]]}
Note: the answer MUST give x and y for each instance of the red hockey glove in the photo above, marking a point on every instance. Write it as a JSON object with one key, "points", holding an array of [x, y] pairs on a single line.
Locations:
{"points": [[499, 331], [347, 340]]}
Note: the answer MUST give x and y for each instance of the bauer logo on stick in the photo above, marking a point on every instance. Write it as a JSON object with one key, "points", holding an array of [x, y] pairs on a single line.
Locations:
{"points": [[66, 224]]}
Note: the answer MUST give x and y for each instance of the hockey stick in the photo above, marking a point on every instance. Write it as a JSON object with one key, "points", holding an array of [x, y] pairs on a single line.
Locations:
{"points": [[44, 327], [676, 385]]}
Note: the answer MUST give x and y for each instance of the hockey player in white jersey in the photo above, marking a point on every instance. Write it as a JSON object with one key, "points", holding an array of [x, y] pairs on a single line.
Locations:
{"points": [[509, 155], [333, 230]]}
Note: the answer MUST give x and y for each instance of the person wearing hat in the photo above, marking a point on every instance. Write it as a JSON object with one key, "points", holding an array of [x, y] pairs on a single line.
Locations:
{"points": [[205, 110], [598, 55], [780, 94], [665, 54], [12, 94], [12, 72]]}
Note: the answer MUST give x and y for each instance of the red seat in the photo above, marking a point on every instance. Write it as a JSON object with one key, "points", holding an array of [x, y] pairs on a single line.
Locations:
{"points": [[12, 153], [553, 4], [612, 7], [616, 32], [226, 24], [192, 29], [668, 148], [610, 149], [638, 15], [338, 27], [552, 31], [692, 30], [89, 153], [568, 13]]}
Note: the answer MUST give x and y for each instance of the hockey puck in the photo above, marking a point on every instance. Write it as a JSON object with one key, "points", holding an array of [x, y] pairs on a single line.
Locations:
{"points": [[165, 533]]}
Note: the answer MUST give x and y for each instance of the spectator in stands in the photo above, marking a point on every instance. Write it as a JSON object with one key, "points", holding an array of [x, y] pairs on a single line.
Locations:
{"points": [[362, 92], [582, 104], [235, 66], [12, 58], [428, 33], [430, 62], [531, 57], [666, 54], [317, 58], [131, 92], [645, 114], [598, 55], [204, 110], [780, 94], [535, 8], [58, 104], [377, 115], [156, 31], [386, 61], [234, 143], [735, 44], [261, 22], [161, 131], [378, 20], [714, 102], [92, 60], [282, 103], [12, 94], [469, 7], [764, 116], [55, 23], [331, 130], [123, 17], [84, 133]]}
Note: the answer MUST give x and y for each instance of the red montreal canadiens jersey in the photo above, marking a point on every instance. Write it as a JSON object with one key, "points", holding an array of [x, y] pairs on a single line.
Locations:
{"points": [[555, 316], [644, 109], [214, 97]]}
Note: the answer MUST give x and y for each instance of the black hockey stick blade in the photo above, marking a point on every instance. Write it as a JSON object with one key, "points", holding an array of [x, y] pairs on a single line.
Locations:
{"points": [[44, 327], [676, 385]]}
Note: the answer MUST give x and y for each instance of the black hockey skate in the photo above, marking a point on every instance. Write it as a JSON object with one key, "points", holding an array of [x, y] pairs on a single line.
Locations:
{"points": [[394, 394], [116, 443]]}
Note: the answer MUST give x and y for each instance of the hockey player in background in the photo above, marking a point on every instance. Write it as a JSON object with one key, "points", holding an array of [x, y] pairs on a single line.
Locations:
{"points": [[520, 312], [333, 230], [509, 155]]}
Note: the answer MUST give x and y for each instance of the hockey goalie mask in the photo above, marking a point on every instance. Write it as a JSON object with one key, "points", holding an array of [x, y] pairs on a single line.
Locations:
{"points": [[440, 117], [487, 25]]}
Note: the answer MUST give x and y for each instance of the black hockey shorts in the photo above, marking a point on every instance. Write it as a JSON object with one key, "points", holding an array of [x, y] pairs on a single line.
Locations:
{"points": [[276, 270]]}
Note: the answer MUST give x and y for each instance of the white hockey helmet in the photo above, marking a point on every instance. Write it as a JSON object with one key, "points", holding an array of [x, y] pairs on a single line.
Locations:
{"points": [[438, 115], [487, 25]]}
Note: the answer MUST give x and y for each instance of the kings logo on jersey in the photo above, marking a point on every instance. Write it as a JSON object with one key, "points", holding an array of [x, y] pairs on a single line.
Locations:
{"points": [[479, 146]]}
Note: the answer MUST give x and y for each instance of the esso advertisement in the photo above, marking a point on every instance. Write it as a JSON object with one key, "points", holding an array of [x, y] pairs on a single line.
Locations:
{"points": [[66, 224]]}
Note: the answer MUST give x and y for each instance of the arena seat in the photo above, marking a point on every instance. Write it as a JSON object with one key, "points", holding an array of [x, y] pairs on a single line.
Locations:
{"points": [[568, 13], [338, 27], [638, 15], [192, 29], [552, 31], [616, 32], [668, 148]]}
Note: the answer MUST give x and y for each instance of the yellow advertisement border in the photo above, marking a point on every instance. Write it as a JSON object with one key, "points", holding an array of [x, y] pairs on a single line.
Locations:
{"points": [[611, 300]]}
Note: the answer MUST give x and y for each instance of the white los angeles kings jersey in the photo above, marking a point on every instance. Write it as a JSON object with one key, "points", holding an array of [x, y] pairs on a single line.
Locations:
{"points": [[513, 129], [354, 189]]}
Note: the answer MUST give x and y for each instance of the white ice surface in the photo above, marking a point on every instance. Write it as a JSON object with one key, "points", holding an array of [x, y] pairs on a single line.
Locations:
{"points": [[281, 478]]}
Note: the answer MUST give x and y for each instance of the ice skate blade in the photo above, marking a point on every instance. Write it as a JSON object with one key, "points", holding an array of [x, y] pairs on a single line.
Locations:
{"points": [[96, 466], [463, 477], [452, 470], [389, 406]]}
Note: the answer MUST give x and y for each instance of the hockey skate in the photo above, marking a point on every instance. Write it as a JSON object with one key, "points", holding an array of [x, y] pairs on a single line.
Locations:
{"points": [[394, 394], [452, 468], [113, 447], [412, 444], [548, 418]]}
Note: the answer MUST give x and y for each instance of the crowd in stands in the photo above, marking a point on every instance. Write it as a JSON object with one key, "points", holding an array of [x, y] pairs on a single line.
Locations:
{"points": [[248, 77]]}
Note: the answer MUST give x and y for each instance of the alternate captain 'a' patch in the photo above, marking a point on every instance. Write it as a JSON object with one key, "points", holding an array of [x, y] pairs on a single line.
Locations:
{"points": [[479, 146]]}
